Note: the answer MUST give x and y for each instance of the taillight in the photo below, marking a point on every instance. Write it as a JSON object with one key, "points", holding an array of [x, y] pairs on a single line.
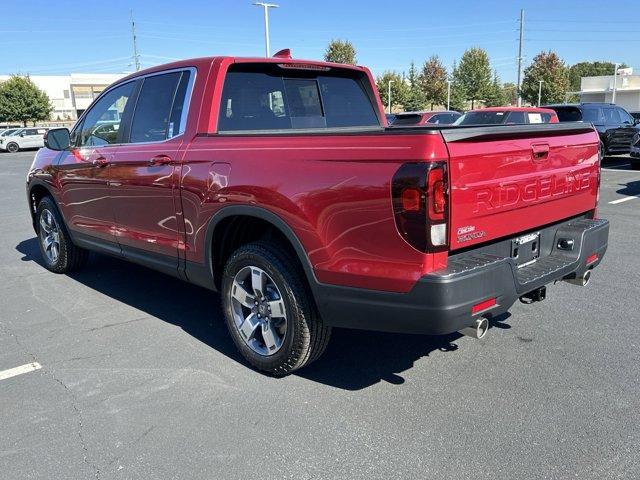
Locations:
{"points": [[420, 204]]}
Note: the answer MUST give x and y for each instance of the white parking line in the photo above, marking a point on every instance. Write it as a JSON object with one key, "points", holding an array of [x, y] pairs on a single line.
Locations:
{"points": [[625, 199], [12, 372]]}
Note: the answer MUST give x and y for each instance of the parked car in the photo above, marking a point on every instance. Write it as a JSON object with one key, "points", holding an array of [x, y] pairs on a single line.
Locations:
{"points": [[390, 118], [635, 115], [507, 115], [305, 213], [7, 132], [613, 123], [425, 118], [23, 138], [635, 152]]}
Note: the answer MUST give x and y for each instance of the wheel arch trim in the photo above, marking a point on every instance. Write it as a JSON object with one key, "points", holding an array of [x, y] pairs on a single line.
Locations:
{"points": [[262, 214]]}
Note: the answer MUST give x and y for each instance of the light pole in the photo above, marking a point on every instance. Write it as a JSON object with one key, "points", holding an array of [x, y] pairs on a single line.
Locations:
{"points": [[539, 93], [266, 7], [615, 82], [448, 94], [389, 107]]}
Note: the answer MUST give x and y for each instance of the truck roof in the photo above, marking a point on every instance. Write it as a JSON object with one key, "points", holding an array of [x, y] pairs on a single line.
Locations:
{"points": [[226, 59], [512, 109]]}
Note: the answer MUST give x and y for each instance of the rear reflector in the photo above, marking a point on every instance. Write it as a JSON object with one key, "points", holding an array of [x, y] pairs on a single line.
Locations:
{"points": [[592, 258], [479, 307], [439, 234]]}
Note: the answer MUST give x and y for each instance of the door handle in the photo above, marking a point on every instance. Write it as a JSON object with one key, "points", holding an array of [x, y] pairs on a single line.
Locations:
{"points": [[540, 151], [160, 160], [100, 162]]}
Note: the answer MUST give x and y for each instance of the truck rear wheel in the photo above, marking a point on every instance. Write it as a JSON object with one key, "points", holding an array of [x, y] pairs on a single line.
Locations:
{"points": [[59, 253], [269, 310]]}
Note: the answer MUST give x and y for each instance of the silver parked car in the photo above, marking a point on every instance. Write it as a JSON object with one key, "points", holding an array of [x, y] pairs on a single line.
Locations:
{"points": [[30, 137]]}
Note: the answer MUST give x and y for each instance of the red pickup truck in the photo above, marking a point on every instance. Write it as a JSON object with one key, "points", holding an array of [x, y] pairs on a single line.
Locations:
{"points": [[277, 183]]}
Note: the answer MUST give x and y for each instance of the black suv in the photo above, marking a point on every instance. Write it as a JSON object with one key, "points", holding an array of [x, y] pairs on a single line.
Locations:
{"points": [[614, 124]]}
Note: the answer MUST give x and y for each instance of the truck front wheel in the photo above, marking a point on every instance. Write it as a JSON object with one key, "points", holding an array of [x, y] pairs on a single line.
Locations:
{"points": [[59, 253], [269, 310]]}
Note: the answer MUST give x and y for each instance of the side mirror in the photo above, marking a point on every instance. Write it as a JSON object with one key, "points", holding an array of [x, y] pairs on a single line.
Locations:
{"points": [[23, 134], [636, 121], [57, 139]]}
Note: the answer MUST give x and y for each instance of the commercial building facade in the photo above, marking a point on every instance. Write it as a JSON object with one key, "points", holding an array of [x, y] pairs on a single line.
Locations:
{"points": [[600, 89], [71, 94]]}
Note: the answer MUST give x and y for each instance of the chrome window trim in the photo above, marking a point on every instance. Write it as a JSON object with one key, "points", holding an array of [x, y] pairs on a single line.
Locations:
{"points": [[185, 106]]}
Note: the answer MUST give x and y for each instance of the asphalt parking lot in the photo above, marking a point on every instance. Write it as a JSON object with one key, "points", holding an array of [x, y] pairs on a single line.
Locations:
{"points": [[139, 379]]}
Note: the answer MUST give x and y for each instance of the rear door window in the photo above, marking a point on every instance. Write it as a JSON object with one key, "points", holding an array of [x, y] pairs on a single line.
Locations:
{"points": [[611, 116], [152, 114], [592, 115], [254, 100]]}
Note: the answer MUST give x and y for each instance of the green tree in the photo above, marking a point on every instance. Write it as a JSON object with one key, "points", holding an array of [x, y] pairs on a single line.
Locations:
{"points": [[433, 81], [473, 75], [399, 89], [553, 72], [495, 96], [415, 99], [21, 100], [458, 99], [510, 93], [340, 51], [589, 69]]}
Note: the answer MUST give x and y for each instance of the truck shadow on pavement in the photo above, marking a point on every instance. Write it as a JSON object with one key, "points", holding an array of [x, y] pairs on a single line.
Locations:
{"points": [[354, 359], [630, 188]]}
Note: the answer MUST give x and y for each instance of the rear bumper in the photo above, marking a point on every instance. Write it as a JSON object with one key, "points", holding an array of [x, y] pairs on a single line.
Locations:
{"points": [[441, 303]]}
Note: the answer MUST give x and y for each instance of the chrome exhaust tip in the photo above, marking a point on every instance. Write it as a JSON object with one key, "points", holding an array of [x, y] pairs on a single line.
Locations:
{"points": [[477, 330], [581, 281]]}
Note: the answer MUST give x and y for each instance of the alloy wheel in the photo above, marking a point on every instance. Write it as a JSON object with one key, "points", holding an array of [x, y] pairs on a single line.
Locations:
{"points": [[49, 236], [258, 309]]}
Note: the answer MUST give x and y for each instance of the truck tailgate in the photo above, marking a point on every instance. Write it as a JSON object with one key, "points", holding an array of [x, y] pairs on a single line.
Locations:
{"points": [[515, 178]]}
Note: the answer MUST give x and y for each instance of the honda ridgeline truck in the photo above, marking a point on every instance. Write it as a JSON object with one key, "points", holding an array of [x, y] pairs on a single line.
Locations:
{"points": [[277, 183]]}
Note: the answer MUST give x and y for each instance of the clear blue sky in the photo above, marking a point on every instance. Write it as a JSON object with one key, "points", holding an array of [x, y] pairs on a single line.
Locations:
{"points": [[64, 36]]}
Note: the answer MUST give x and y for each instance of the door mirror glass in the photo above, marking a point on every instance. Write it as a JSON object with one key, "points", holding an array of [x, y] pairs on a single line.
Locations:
{"points": [[57, 139]]}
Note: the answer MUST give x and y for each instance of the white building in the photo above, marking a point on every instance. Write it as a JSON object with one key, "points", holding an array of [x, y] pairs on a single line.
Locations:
{"points": [[71, 94], [600, 89]]}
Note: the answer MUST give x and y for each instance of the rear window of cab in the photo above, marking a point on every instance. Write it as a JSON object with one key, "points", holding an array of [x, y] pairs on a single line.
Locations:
{"points": [[267, 97]]}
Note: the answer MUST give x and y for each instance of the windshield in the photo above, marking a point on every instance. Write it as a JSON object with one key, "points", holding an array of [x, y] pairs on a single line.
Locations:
{"points": [[482, 118], [8, 132]]}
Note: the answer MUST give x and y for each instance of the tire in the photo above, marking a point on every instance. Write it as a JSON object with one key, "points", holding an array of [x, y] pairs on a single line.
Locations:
{"points": [[298, 336], [13, 147], [58, 252]]}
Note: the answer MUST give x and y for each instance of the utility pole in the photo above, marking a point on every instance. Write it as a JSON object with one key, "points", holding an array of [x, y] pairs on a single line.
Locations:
{"points": [[266, 7], [520, 57], [136, 55], [389, 108], [539, 92], [615, 82], [448, 94]]}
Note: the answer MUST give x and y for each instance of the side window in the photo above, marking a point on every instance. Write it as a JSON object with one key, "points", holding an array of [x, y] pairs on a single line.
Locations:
{"points": [[255, 100], [436, 119], [31, 131], [611, 116], [592, 115], [624, 116], [546, 118], [151, 119], [516, 117], [178, 119], [102, 123]]}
